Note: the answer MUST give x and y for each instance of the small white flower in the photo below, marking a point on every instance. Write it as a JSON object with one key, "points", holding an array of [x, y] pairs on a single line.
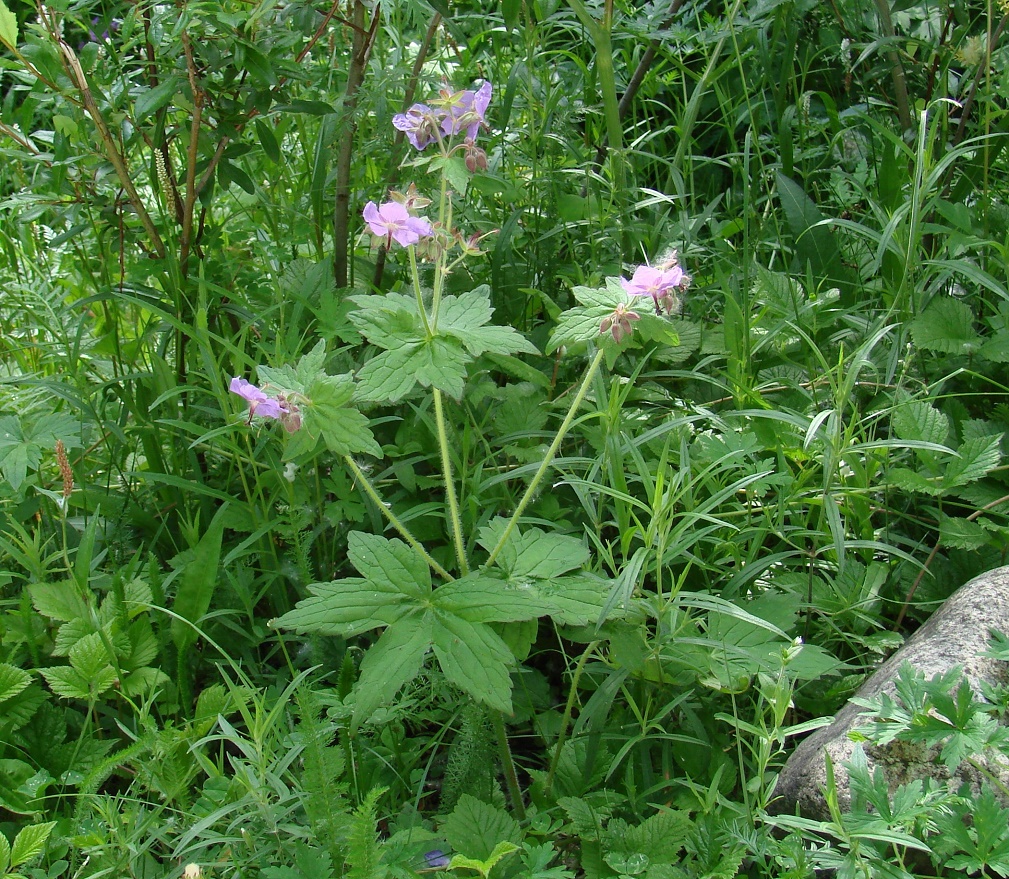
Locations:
{"points": [[192, 871], [290, 468]]}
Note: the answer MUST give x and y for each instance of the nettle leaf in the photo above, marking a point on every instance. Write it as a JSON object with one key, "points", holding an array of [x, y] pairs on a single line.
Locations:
{"points": [[90, 656], [475, 659], [947, 326], [979, 455], [911, 480], [12, 681], [391, 663], [475, 828], [919, 421], [660, 837], [962, 533], [58, 601], [66, 681]]}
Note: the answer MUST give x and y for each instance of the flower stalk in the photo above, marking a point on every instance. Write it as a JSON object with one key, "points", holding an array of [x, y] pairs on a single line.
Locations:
{"points": [[548, 459]]}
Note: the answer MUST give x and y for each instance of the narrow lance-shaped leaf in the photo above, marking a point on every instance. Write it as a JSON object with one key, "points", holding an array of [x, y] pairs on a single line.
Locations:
{"points": [[199, 579]]}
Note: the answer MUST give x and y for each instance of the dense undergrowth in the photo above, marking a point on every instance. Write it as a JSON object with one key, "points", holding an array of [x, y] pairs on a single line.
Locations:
{"points": [[516, 522]]}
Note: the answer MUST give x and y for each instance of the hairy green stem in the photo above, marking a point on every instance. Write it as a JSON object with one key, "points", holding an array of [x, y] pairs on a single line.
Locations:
{"points": [[566, 719], [511, 777], [415, 275], [450, 496], [548, 458], [369, 490]]}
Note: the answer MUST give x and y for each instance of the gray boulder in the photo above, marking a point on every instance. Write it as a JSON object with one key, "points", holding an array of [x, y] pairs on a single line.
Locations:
{"points": [[955, 635]]}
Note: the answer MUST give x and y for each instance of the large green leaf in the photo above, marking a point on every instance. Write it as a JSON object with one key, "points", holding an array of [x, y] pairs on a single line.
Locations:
{"points": [[467, 317], [389, 562], [534, 553], [474, 828], [813, 241], [947, 326], [344, 429]]}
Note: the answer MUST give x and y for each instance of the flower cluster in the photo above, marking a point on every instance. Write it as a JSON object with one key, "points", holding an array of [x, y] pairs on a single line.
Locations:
{"points": [[662, 284], [260, 403], [450, 114]]}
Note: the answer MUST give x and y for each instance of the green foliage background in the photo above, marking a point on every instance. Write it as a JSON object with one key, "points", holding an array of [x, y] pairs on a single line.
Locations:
{"points": [[547, 603]]}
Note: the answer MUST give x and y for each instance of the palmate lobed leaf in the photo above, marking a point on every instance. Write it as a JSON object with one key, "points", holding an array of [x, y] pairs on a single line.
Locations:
{"points": [[412, 356], [439, 362], [534, 553], [343, 428], [467, 317]]}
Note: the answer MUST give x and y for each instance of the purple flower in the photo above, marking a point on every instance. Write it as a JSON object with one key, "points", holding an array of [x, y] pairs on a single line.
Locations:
{"points": [[436, 858], [420, 123], [465, 111], [660, 284], [259, 402], [393, 222]]}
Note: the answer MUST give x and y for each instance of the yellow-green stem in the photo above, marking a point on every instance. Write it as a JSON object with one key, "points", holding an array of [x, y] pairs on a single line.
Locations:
{"points": [[450, 496], [548, 458], [369, 490]]}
